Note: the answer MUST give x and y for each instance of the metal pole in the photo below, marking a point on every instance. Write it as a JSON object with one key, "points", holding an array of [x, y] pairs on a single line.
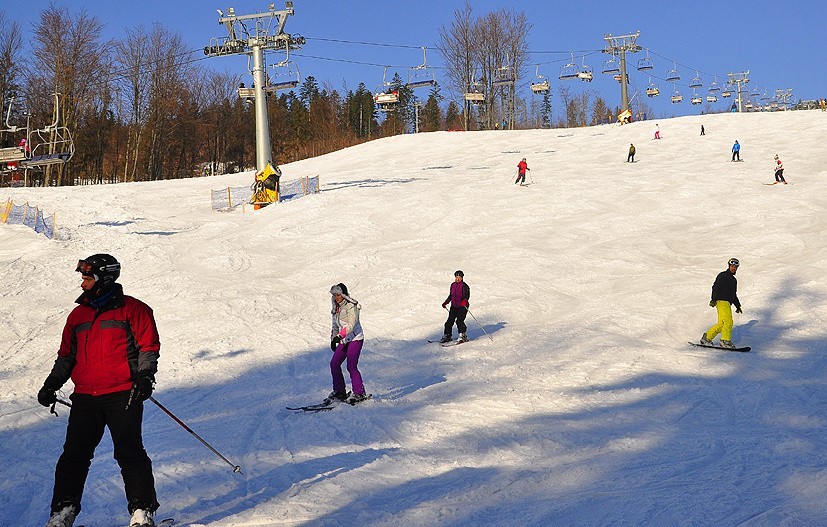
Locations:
{"points": [[264, 152], [624, 88]]}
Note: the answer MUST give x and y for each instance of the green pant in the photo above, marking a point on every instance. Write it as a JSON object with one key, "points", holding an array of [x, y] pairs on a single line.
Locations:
{"points": [[724, 325]]}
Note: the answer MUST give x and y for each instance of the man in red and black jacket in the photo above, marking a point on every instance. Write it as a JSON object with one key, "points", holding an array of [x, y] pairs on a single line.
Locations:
{"points": [[109, 349], [458, 298]]}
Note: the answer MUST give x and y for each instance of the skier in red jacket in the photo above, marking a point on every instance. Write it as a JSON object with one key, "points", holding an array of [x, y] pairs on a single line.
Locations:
{"points": [[110, 350], [522, 166]]}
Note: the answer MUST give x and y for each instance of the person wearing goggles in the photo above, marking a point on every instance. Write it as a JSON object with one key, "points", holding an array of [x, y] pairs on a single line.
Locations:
{"points": [[109, 350], [724, 296]]}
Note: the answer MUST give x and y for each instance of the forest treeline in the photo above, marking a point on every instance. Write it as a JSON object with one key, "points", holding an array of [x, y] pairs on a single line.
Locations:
{"points": [[139, 109]]}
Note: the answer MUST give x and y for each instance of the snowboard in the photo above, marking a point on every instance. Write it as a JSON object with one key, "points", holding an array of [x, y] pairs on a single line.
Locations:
{"points": [[742, 349]]}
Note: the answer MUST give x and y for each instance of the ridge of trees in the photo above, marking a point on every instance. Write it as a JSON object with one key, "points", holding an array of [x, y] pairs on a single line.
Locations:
{"points": [[139, 110]]}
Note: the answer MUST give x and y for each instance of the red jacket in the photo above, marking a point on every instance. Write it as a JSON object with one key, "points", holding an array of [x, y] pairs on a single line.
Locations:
{"points": [[522, 166], [102, 349]]}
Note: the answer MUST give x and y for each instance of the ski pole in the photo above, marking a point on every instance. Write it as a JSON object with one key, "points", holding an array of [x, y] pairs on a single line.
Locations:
{"points": [[236, 468], [478, 322], [529, 175]]}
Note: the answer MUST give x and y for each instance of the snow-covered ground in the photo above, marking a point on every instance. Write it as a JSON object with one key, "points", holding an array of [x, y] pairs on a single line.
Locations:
{"points": [[585, 407]]}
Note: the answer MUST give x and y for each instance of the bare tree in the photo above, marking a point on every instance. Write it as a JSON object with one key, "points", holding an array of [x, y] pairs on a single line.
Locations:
{"points": [[132, 55], [68, 57], [457, 45], [11, 72]]}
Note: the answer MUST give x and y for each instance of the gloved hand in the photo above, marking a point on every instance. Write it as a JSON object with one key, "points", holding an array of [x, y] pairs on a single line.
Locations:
{"points": [[47, 395], [738, 310], [712, 303], [335, 342], [444, 304], [144, 384], [464, 303]]}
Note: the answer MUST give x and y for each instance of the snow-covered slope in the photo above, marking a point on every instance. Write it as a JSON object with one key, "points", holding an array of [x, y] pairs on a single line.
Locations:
{"points": [[585, 407]]}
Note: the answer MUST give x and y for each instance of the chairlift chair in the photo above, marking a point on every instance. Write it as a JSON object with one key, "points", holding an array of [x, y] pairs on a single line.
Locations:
{"points": [[726, 93], [696, 81], [541, 86], [585, 73], [610, 67], [652, 90], [673, 74], [570, 70], [645, 63], [51, 145], [676, 97], [748, 105], [713, 86], [421, 76], [475, 97], [755, 92], [696, 99], [386, 98], [286, 77], [711, 97], [504, 76]]}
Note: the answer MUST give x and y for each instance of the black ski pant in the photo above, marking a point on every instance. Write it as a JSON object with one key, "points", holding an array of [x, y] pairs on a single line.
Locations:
{"points": [[736, 154], [456, 314], [779, 176], [87, 419], [520, 179], [630, 158]]}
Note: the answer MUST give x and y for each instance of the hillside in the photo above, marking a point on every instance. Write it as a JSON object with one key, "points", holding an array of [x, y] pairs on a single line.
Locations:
{"points": [[585, 407]]}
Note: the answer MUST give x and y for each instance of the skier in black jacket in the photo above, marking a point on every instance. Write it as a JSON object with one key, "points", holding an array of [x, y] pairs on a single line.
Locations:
{"points": [[724, 296]]}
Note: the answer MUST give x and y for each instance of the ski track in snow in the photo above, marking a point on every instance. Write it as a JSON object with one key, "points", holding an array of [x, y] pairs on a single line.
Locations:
{"points": [[586, 407]]}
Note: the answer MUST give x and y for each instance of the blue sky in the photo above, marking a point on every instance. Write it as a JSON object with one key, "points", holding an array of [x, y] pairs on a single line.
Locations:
{"points": [[777, 42]]}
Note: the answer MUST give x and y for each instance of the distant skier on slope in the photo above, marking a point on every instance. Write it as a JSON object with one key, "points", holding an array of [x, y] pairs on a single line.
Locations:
{"points": [[522, 166], [346, 339], [724, 296], [779, 171], [657, 132], [631, 157], [458, 298], [110, 350], [736, 151]]}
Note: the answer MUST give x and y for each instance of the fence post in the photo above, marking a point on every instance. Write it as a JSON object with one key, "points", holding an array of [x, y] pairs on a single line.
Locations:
{"points": [[229, 198], [54, 225]]}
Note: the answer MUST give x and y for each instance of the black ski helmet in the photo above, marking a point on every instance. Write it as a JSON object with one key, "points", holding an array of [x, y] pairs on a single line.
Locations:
{"points": [[103, 267]]}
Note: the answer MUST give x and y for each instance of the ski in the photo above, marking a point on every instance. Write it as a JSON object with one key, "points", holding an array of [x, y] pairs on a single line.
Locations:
{"points": [[167, 522], [453, 343], [321, 407], [743, 349]]}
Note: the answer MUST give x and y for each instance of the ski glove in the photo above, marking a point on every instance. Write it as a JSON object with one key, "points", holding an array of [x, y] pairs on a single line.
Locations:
{"points": [[444, 304], [738, 310], [47, 396], [335, 342], [711, 303], [464, 303], [144, 384]]}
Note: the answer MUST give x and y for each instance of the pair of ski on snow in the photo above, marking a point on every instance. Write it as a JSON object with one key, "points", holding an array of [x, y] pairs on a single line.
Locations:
{"points": [[168, 522], [326, 405]]}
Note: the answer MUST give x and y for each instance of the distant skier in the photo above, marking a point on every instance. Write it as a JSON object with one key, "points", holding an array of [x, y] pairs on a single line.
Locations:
{"points": [[779, 171], [724, 296], [736, 151], [458, 298], [631, 157], [346, 339], [522, 166], [110, 350], [702, 130], [657, 132]]}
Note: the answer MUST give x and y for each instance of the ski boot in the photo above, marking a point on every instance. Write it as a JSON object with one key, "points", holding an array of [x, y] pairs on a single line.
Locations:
{"points": [[357, 398], [727, 344], [705, 341], [462, 338], [65, 517], [337, 396], [142, 518], [444, 339]]}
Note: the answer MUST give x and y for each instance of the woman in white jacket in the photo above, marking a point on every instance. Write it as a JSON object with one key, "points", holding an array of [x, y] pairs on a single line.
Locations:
{"points": [[346, 339]]}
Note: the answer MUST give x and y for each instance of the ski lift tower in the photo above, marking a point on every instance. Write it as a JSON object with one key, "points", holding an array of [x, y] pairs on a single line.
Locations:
{"points": [[252, 35], [739, 80], [619, 46], [783, 96]]}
